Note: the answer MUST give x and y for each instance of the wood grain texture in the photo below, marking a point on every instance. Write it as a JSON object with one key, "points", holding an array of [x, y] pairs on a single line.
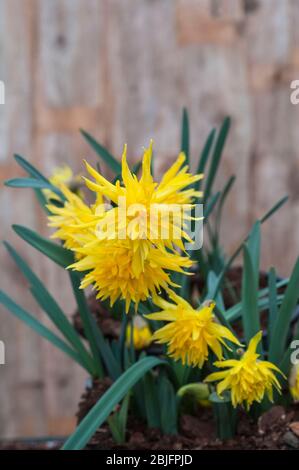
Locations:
{"points": [[123, 70]]}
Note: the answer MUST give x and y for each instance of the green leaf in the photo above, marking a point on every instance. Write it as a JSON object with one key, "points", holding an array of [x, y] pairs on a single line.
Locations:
{"points": [[254, 248], [35, 325], [55, 252], [151, 401], [30, 169], [103, 153], [282, 324], [250, 313], [222, 199], [216, 157], [118, 421], [181, 372], [100, 412], [224, 414], [211, 286], [92, 332], [210, 205], [185, 135], [168, 406], [34, 184], [204, 157], [234, 313], [273, 310], [42, 200], [52, 309], [274, 209]]}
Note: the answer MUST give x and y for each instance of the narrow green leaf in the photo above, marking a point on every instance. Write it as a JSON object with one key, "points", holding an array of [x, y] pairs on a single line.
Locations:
{"points": [[34, 184], [282, 323], [57, 253], [52, 309], [38, 327], [274, 209], [204, 157], [210, 205], [30, 169], [151, 401], [223, 195], [97, 341], [100, 412], [185, 135], [250, 314], [103, 153], [181, 372], [273, 309], [254, 248], [216, 157], [168, 406], [42, 200], [234, 313], [92, 332], [118, 421]]}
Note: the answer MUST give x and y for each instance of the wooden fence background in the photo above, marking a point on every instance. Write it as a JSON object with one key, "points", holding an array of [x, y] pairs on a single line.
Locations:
{"points": [[123, 70]]}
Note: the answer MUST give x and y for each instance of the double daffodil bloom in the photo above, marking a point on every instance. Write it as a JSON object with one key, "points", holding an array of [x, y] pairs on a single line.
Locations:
{"points": [[249, 379], [75, 221], [132, 270], [190, 334], [146, 209]]}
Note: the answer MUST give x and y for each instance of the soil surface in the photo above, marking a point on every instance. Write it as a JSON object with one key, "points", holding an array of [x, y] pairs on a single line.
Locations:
{"points": [[31, 444], [276, 429]]}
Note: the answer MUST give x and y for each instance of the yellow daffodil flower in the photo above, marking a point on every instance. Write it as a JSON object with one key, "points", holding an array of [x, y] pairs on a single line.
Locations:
{"points": [[142, 335], [145, 208], [132, 270], [249, 379], [63, 176], [294, 382], [190, 333], [74, 220]]}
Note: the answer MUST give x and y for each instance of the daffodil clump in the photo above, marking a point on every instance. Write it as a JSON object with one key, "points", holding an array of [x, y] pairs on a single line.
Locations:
{"points": [[118, 245], [130, 241]]}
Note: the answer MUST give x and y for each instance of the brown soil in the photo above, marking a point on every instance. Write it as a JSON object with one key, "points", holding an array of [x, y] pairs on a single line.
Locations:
{"points": [[28, 444], [109, 325], [276, 429]]}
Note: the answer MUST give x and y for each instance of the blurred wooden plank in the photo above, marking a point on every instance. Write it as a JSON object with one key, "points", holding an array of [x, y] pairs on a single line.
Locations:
{"points": [[70, 34], [68, 96], [209, 22], [21, 391]]}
